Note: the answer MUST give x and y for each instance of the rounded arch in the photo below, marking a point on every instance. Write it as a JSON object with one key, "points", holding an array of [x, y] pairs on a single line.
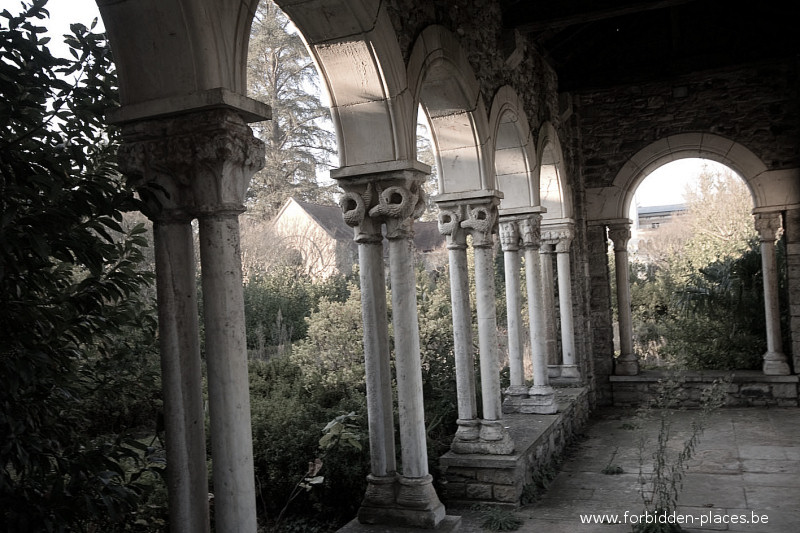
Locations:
{"points": [[358, 56], [516, 171], [613, 202], [554, 188], [168, 50], [443, 83]]}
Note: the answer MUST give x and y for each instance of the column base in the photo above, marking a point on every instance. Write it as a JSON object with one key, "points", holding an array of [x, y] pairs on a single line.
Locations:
{"points": [[541, 401], [775, 364], [402, 502], [570, 372], [554, 371], [626, 366], [493, 439], [512, 397]]}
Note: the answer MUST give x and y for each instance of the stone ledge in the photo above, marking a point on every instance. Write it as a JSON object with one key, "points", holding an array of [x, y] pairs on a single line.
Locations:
{"points": [[500, 479], [448, 524], [747, 388], [706, 376]]}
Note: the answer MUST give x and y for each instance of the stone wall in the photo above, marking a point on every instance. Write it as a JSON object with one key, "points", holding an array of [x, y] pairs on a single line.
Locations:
{"points": [[602, 333], [757, 108], [792, 223], [501, 479], [745, 389]]}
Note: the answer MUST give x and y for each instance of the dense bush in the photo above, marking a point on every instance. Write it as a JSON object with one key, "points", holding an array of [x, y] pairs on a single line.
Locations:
{"points": [[278, 303], [70, 286], [697, 290], [288, 419], [332, 354]]}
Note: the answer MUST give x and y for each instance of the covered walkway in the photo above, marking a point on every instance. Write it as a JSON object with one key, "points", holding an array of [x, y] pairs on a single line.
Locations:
{"points": [[747, 463]]}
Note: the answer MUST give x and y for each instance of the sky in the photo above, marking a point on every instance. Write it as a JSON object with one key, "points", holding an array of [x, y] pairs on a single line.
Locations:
{"points": [[665, 186], [62, 14]]}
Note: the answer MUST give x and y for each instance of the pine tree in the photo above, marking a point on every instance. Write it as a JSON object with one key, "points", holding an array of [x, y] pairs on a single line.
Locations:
{"points": [[299, 138]]}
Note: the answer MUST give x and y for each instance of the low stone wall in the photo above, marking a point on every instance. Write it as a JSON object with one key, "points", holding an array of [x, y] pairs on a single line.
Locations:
{"points": [[746, 388], [501, 479]]}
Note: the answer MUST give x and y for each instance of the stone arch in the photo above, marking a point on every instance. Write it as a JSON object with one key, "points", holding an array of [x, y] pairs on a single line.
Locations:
{"points": [[516, 171], [768, 188], [358, 56], [555, 190], [443, 82], [167, 51]]}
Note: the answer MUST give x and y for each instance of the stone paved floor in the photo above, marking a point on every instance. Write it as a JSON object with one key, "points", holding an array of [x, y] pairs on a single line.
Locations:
{"points": [[747, 462]]}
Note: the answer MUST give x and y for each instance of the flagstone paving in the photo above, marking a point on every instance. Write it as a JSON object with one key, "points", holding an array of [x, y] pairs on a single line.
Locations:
{"points": [[746, 466]]}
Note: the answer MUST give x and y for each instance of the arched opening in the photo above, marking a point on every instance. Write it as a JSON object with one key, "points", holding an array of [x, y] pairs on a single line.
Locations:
{"points": [[715, 277], [696, 281]]}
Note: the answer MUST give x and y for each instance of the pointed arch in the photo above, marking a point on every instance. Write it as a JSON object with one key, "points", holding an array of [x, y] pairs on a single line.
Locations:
{"points": [[516, 171], [443, 82], [356, 51], [554, 186]]}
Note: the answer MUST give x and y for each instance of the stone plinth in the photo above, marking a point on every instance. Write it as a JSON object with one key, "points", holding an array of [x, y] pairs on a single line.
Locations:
{"points": [[748, 388], [500, 479], [447, 525]]}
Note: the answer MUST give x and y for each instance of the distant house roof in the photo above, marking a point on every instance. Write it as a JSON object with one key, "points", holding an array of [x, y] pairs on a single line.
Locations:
{"points": [[661, 210], [329, 217], [426, 234]]}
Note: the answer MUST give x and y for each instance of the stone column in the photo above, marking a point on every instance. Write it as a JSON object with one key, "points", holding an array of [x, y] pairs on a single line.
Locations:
{"points": [[198, 165], [546, 252], [476, 214], [181, 375], [775, 361], [468, 424], [380, 414], [509, 240], [481, 220], [395, 197], [562, 236], [627, 363], [541, 396]]}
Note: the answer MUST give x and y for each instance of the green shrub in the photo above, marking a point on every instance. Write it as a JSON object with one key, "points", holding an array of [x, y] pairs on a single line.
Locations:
{"points": [[332, 355], [288, 420], [70, 283]]}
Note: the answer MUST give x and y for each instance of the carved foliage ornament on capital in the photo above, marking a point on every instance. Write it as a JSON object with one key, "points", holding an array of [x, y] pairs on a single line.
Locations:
{"points": [[619, 235], [394, 202], [509, 235], [478, 219], [559, 236], [531, 229], [768, 226], [191, 165]]}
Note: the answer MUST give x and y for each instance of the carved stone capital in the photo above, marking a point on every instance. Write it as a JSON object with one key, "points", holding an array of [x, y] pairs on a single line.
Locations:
{"points": [[620, 235], [395, 200], [768, 225], [531, 229], [481, 222], [191, 165], [559, 236], [509, 235]]}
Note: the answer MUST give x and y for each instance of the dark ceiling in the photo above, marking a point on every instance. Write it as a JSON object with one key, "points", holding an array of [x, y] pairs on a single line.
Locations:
{"points": [[597, 43]]}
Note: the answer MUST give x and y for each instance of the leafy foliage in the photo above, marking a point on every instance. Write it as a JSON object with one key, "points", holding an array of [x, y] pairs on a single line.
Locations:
{"points": [[70, 280], [332, 355], [696, 288], [290, 425]]}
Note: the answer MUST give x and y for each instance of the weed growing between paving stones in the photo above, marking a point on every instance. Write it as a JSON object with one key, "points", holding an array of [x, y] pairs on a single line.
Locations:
{"points": [[611, 469], [660, 488], [499, 519]]}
